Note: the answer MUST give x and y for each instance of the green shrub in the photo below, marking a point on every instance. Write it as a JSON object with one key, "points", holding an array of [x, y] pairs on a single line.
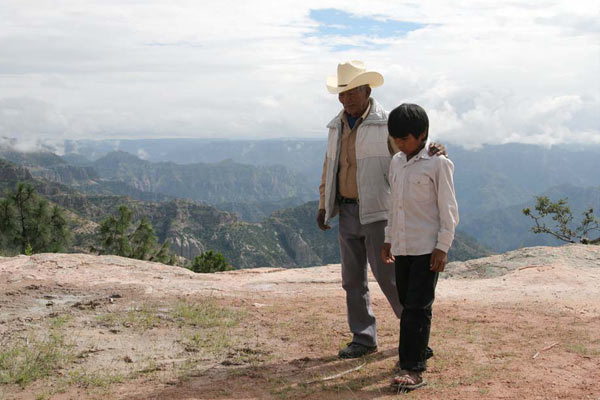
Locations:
{"points": [[210, 261]]}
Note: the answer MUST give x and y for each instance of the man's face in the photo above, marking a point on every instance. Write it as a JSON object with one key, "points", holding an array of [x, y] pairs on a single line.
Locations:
{"points": [[355, 101]]}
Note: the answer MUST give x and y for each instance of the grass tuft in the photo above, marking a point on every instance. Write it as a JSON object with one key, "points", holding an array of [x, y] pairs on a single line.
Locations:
{"points": [[142, 318], [33, 358], [205, 315], [93, 379], [582, 349]]}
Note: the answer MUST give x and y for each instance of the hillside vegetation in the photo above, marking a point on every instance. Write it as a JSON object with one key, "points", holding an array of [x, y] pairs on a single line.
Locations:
{"points": [[266, 198], [287, 238], [492, 182]]}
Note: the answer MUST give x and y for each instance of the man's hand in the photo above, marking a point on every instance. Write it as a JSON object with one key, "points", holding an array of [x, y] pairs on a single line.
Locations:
{"points": [[438, 260], [321, 220], [437, 148], [386, 253]]}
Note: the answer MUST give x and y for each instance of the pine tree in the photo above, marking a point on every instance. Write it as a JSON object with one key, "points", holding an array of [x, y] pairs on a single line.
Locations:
{"points": [[113, 233], [143, 240], [561, 228], [22, 199], [8, 226], [116, 236], [163, 255], [27, 225], [38, 226], [59, 229]]}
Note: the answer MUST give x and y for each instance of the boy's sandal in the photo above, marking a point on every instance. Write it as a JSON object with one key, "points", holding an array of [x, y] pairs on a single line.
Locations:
{"points": [[408, 381]]}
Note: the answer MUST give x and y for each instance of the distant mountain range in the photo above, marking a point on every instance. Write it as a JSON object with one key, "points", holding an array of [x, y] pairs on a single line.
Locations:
{"points": [[287, 238], [253, 179], [495, 177], [225, 181], [253, 192], [504, 229], [530, 167], [304, 156], [491, 181]]}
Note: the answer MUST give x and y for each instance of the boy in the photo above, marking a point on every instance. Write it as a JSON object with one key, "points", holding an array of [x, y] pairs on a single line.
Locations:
{"points": [[419, 232]]}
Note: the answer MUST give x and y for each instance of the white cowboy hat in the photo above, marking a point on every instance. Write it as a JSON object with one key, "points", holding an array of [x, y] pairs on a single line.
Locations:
{"points": [[352, 74]]}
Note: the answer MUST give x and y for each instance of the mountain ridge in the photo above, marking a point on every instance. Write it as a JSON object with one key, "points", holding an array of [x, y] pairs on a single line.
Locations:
{"points": [[288, 237]]}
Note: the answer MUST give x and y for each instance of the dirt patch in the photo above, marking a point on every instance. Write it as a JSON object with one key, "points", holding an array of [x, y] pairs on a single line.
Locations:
{"points": [[126, 329]]}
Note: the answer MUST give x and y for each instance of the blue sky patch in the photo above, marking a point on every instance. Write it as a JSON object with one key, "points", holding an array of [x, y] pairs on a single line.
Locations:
{"points": [[334, 22]]}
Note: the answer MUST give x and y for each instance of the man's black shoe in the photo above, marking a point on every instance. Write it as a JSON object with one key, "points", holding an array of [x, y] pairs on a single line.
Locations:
{"points": [[428, 353], [355, 350]]}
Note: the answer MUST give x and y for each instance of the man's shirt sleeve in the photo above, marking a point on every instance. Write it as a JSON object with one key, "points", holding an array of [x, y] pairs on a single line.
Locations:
{"points": [[392, 146], [322, 185], [390, 219]]}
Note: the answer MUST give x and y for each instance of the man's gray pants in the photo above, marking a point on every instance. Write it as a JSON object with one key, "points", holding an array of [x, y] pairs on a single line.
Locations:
{"points": [[359, 243]]}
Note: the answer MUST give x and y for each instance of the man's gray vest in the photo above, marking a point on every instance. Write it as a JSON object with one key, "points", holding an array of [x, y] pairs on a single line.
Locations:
{"points": [[373, 161]]}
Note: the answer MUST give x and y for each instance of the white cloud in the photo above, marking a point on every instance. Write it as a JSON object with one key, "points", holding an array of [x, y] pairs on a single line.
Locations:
{"points": [[486, 72]]}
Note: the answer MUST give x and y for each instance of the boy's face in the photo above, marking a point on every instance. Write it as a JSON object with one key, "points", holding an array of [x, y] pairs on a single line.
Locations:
{"points": [[411, 145]]}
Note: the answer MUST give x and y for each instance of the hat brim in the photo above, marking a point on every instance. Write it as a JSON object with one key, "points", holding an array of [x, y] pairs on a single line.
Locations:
{"points": [[371, 78]]}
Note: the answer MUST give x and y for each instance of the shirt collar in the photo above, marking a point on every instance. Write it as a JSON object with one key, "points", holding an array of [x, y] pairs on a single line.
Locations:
{"points": [[364, 116], [423, 154]]}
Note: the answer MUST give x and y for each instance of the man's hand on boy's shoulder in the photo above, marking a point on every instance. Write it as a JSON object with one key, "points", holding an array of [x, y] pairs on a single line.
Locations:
{"points": [[438, 260], [386, 253], [437, 148]]}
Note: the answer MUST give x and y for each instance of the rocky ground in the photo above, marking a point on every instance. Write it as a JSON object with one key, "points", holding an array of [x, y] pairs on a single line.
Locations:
{"points": [[521, 325]]}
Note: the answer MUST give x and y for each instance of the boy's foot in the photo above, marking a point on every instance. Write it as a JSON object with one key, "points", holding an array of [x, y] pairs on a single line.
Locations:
{"points": [[355, 350], [408, 380]]}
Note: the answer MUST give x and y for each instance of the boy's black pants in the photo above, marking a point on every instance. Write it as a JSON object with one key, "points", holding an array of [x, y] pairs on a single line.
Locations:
{"points": [[416, 289]]}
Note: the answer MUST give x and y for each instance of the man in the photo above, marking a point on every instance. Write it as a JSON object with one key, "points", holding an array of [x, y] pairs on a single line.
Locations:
{"points": [[355, 185]]}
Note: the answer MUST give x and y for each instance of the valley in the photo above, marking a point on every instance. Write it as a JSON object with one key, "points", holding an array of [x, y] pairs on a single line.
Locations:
{"points": [[255, 201]]}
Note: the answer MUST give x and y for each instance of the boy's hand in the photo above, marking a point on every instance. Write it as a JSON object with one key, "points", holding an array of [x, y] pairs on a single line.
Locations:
{"points": [[386, 253], [321, 220], [438, 260], [437, 148]]}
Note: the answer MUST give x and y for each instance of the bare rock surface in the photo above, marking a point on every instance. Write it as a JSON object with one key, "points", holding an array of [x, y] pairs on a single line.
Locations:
{"points": [[522, 325]]}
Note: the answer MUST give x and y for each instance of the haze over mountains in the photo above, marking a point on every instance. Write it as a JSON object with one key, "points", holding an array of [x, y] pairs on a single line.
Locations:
{"points": [[493, 183], [189, 188]]}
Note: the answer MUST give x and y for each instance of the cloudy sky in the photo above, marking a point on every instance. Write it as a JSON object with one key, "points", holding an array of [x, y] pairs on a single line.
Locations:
{"points": [[486, 72]]}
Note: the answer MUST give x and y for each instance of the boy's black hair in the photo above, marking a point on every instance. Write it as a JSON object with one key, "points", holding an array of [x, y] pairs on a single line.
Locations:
{"points": [[408, 119]]}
